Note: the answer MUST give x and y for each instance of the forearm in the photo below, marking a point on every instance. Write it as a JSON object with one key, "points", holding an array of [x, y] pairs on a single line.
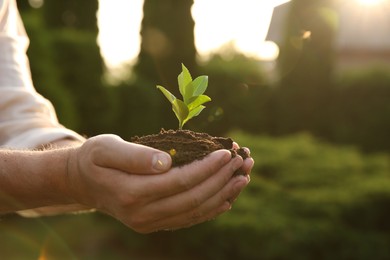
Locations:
{"points": [[30, 179], [61, 208]]}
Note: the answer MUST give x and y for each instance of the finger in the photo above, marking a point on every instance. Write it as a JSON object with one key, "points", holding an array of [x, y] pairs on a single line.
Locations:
{"points": [[247, 150], [248, 162], [175, 181], [133, 158], [195, 197], [181, 179], [248, 165], [182, 221], [233, 196], [217, 204], [212, 208]]}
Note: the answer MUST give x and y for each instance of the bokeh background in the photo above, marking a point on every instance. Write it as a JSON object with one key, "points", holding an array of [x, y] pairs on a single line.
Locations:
{"points": [[316, 117]]}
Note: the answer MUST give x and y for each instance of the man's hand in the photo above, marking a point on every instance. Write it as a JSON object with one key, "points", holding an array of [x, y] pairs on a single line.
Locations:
{"points": [[135, 184]]}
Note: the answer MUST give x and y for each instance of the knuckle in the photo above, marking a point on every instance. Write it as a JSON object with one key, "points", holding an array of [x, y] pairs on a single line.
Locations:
{"points": [[140, 224], [135, 219], [121, 200], [136, 222], [195, 202], [223, 197], [195, 216], [184, 182], [97, 145], [126, 200]]}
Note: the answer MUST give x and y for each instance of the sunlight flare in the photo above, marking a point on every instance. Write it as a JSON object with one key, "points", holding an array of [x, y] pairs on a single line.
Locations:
{"points": [[119, 24], [242, 24], [370, 2]]}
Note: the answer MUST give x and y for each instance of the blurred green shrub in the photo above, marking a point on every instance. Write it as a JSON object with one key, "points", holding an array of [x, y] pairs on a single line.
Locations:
{"points": [[360, 109], [311, 200], [80, 66], [45, 73], [306, 200], [240, 94], [141, 109]]}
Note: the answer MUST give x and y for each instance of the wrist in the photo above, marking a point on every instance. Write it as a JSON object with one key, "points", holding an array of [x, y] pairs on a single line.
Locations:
{"points": [[64, 185], [55, 176]]}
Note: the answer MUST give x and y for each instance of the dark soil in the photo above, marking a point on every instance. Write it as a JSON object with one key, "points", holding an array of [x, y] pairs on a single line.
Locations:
{"points": [[186, 146]]}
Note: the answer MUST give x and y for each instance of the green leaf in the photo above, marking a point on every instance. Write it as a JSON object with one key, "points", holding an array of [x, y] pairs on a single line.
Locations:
{"points": [[195, 112], [189, 91], [167, 94], [200, 85], [184, 79], [197, 101], [181, 111]]}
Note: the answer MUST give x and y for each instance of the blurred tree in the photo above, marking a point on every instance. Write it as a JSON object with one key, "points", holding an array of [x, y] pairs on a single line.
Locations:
{"points": [[81, 70], [73, 29], [71, 13], [306, 55], [45, 74], [305, 65], [240, 95], [167, 41], [141, 110]]}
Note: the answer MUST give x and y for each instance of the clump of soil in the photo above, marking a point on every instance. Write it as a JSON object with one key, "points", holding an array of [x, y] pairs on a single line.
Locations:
{"points": [[186, 146]]}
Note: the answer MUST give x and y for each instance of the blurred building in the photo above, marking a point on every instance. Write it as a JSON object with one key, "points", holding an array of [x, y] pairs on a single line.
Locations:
{"points": [[363, 32]]}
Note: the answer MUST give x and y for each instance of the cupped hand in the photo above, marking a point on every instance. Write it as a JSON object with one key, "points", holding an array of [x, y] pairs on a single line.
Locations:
{"points": [[136, 185]]}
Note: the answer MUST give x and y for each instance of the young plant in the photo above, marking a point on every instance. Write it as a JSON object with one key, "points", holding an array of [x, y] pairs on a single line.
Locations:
{"points": [[192, 93]]}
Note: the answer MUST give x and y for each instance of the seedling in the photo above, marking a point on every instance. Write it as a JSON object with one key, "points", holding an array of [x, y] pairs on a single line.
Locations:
{"points": [[192, 93]]}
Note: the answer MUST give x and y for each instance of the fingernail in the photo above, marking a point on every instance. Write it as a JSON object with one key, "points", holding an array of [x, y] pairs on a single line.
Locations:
{"points": [[161, 161], [247, 150]]}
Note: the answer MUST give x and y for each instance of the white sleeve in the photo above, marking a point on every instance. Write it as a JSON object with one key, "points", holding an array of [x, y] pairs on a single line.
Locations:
{"points": [[27, 120]]}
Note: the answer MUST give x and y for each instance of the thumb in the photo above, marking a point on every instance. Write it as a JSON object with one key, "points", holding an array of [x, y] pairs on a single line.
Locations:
{"points": [[131, 157]]}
